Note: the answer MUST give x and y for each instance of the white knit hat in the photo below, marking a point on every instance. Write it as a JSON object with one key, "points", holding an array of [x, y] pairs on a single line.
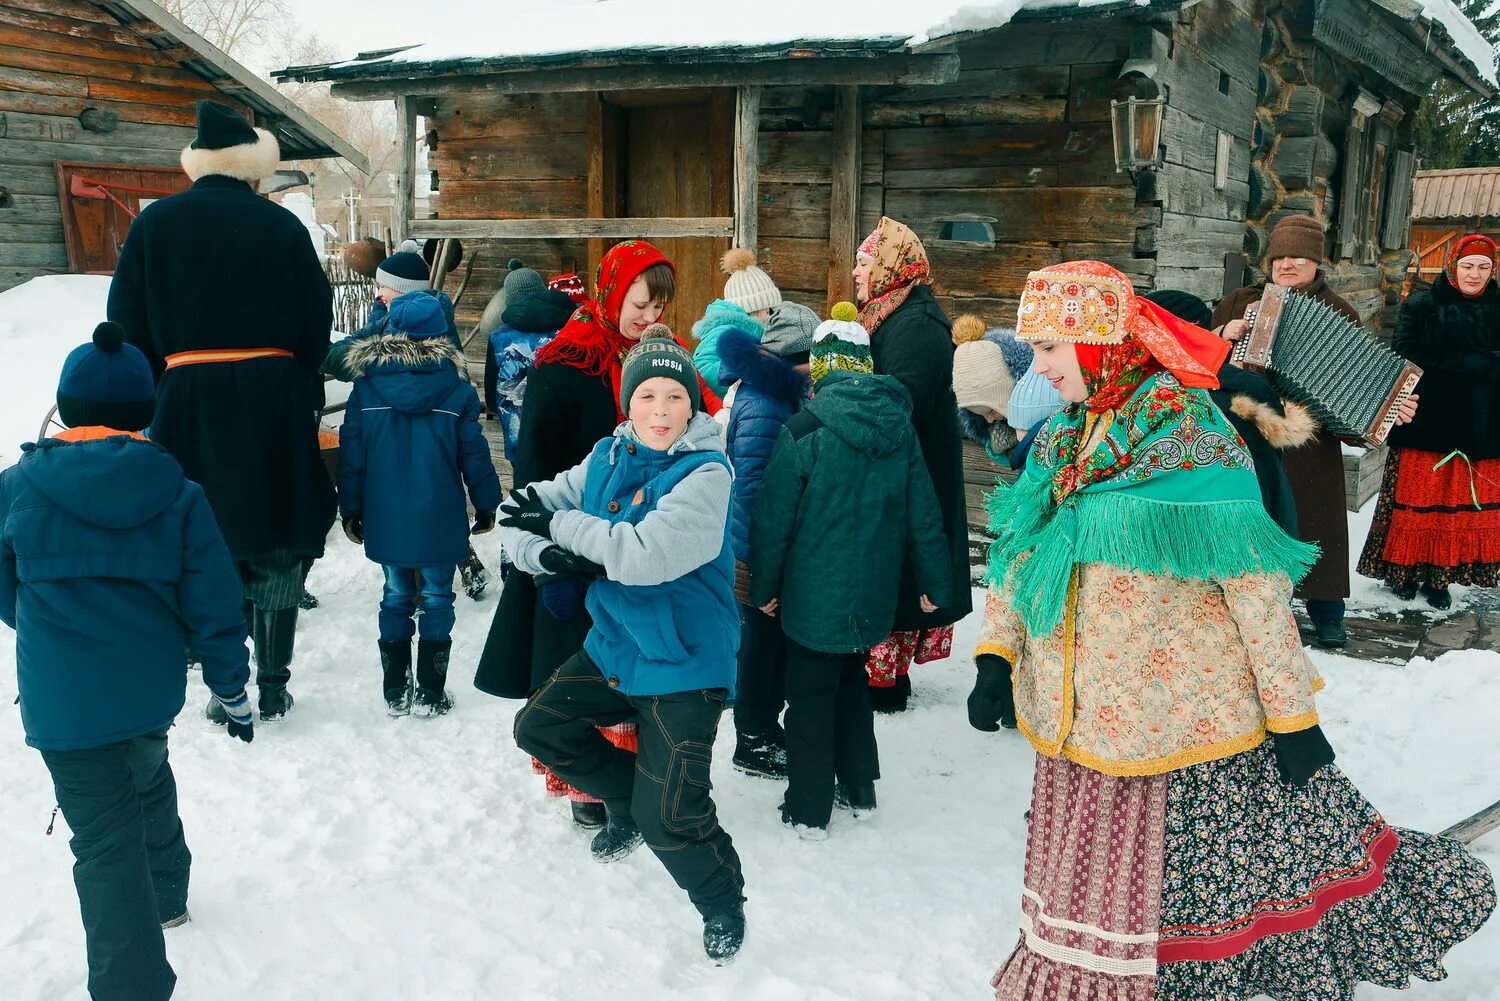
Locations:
{"points": [[748, 286], [980, 376]]}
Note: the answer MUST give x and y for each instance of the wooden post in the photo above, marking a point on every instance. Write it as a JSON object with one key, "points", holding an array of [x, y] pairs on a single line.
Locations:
{"points": [[405, 206], [843, 204], [746, 167]]}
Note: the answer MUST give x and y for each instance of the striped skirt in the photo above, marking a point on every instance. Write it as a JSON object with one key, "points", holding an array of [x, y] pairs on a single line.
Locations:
{"points": [[1222, 882]]}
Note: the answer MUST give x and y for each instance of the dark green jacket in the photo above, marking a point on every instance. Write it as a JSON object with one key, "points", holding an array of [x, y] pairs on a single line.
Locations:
{"points": [[845, 503]]}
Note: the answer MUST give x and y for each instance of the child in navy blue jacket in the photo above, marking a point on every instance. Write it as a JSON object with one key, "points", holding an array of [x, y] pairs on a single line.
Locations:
{"points": [[111, 568], [410, 443]]}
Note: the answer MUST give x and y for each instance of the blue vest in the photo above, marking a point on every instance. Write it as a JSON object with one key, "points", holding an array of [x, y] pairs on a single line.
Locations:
{"points": [[660, 639]]}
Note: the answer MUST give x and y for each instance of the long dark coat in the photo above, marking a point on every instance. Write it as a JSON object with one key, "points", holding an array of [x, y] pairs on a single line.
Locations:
{"points": [[566, 413], [915, 346], [219, 267], [1456, 340], [1315, 471]]}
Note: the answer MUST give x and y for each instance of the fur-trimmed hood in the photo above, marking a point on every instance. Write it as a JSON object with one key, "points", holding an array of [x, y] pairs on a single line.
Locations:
{"points": [[1292, 428], [410, 376], [742, 359], [250, 162]]}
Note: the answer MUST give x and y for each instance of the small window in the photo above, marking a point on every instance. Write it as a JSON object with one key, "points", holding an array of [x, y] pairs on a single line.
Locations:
{"points": [[1223, 82], [967, 231]]}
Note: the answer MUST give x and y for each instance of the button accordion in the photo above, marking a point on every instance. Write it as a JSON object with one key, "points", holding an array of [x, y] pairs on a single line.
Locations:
{"points": [[1353, 387]]}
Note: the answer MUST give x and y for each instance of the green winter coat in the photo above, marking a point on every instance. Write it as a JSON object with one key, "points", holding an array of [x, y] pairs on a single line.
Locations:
{"points": [[845, 502]]}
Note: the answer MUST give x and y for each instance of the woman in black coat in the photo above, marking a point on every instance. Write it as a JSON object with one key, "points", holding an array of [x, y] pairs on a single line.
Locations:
{"points": [[910, 339]]}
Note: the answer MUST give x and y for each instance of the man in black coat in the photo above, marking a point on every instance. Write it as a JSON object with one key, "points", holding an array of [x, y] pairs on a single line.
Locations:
{"points": [[223, 292]]}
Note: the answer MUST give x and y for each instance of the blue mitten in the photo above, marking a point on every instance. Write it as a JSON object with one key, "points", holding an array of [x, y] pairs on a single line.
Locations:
{"points": [[241, 719], [562, 596]]}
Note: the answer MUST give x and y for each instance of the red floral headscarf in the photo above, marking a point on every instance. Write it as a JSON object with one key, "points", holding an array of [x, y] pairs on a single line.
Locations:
{"points": [[1473, 245], [900, 266]]}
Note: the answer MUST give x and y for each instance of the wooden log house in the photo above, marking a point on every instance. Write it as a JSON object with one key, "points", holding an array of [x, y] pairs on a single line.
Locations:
{"points": [[97, 101]]}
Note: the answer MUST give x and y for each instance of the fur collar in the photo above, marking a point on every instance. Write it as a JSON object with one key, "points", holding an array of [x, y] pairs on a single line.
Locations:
{"points": [[400, 351], [1292, 430], [250, 162], [741, 358]]}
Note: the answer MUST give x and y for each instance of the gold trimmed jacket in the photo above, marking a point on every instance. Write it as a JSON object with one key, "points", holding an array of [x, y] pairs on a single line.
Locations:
{"points": [[1148, 673]]}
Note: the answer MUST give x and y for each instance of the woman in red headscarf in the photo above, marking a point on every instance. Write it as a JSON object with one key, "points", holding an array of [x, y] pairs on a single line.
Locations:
{"points": [[571, 402], [1189, 837], [1437, 521]]}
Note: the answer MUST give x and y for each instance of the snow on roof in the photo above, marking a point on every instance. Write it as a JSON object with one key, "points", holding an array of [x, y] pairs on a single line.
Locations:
{"points": [[1466, 37]]}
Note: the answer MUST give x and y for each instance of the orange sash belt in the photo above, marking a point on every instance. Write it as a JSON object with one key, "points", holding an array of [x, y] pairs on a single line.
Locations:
{"points": [[226, 355]]}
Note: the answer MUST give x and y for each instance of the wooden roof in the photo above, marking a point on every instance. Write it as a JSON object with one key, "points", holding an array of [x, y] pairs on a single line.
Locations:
{"points": [[1471, 193]]}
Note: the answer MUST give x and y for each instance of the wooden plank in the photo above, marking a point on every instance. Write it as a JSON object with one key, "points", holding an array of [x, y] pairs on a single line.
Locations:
{"points": [[129, 91], [1011, 176], [798, 264], [746, 166], [997, 273], [993, 311], [72, 107], [112, 33], [1470, 830], [1019, 45], [843, 203], [882, 70], [973, 111], [1141, 271], [10, 277], [1191, 192], [1083, 154], [1206, 283], [807, 157], [78, 9], [403, 208], [1302, 163], [475, 116], [57, 129], [1036, 80], [797, 210], [513, 199], [570, 229], [1224, 38], [872, 190], [32, 82], [32, 209], [1193, 87], [34, 255], [30, 232], [1192, 241], [554, 156], [44, 153], [12, 34], [605, 180], [32, 179], [1090, 92], [143, 72], [1025, 215], [1195, 143]]}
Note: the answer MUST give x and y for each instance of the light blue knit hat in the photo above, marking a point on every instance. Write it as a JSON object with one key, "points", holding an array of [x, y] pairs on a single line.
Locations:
{"points": [[1031, 402]]}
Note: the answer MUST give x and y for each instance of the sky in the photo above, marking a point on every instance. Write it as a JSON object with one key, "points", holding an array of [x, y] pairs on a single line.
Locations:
{"points": [[362, 25]]}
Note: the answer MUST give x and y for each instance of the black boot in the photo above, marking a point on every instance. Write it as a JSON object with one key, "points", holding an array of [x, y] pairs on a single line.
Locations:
{"points": [[760, 756], [892, 699], [723, 934], [395, 669], [857, 797], [590, 816], [275, 636], [308, 601], [1330, 634], [619, 838], [1438, 597], [432, 674], [1405, 592], [214, 712], [474, 575]]}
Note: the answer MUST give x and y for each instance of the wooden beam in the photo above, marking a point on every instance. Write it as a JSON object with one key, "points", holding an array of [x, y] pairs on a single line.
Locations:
{"points": [[605, 128], [746, 167], [903, 70], [569, 229], [843, 206], [405, 206]]}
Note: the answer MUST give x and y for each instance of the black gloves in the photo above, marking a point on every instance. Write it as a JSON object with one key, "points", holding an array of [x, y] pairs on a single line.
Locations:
{"points": [[558, 561], [1299, 755], [525, 510], [992, 704], [354, 528], [484, 521], [562, 596]]}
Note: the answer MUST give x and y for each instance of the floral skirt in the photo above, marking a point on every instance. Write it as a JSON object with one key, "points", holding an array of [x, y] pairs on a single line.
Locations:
{"points": [[622, 735], [893, 657], [1222, 882], [1427, 529]]}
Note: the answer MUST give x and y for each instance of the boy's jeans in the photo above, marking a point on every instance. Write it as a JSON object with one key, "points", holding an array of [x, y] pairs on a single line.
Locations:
{"points": [[407, 590], [131, 867]]}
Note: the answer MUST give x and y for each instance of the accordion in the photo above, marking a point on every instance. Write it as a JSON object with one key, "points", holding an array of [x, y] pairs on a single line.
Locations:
{"points": [[1352, 386]]}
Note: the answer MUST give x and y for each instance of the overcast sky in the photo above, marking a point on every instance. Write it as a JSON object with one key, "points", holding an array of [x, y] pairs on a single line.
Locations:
{"points": [[362, 25]]}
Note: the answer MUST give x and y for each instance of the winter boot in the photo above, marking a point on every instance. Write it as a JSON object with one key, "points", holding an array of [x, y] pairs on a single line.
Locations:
{"points": [[893, 699], [723, 934], [856, 797], [589, 816], [806, 832], [308, 601], [1438, 597], [619, 838], [395, 669], [432, 675], [275, 636], [178, 921], [760, 756], [214, 712], [1330, 634], [474, 575], [1406, 592]]}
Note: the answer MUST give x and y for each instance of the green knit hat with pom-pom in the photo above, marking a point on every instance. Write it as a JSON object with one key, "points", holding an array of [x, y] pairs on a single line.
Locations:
{"points": [[841, 344]]}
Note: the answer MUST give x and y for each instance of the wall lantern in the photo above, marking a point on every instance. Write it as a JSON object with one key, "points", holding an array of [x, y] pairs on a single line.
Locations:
{"points": [[1135, 116]]}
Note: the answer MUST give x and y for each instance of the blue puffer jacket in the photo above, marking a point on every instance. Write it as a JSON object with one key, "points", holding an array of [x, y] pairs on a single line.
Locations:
{"points": [[527, 324], [410, 442], [771, 391], [336, 362], [719, 318], [111, 569]]}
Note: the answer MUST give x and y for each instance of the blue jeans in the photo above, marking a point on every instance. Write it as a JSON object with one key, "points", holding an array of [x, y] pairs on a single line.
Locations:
{"points": [[408, 589]]}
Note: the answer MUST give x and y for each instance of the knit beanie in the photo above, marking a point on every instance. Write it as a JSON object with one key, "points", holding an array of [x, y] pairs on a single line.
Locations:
{"points": [[107, 383], [748, 286], [403, 271], [658, 354], [1032, 401], [572, 286], [980, 376], [789, 331], [521, 280], [1297, 236], [841, 344], [418, 317], [1185, 305]]}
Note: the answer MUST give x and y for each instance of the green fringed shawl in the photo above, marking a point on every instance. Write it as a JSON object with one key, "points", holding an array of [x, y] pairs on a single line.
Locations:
{"points": [[1169, 489]]}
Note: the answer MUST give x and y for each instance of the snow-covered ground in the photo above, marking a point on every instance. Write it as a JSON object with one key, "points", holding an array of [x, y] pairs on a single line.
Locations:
{"points": [[344, 855]]}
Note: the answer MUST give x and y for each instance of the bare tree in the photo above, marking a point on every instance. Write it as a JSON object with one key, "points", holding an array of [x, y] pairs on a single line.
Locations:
{"points": [[236, 26]]}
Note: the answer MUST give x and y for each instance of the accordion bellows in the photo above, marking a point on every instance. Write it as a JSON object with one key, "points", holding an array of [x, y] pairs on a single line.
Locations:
{"points": [[1353, 386]]}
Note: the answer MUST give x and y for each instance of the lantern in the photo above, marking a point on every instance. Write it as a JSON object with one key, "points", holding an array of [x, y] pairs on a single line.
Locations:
{"points": [[1135, 123]]}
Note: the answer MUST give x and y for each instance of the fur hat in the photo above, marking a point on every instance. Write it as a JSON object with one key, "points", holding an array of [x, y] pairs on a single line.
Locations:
{"points": [[840, 344], [107, 383], [1297, 236], [404, 272], [981, 378], [748, 286], [418, 316], [227, 145], [659, 354]]}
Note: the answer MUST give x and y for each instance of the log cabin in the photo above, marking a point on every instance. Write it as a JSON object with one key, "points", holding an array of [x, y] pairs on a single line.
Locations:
{"points": [[97, 101], [1446, 205]]}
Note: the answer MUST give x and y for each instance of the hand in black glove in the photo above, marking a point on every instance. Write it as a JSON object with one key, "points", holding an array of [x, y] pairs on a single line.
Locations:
{"points": [[562, 595], [484, 521], [354, 528], [992, 704], [1299, 755], [525, 510], [557, 560]]}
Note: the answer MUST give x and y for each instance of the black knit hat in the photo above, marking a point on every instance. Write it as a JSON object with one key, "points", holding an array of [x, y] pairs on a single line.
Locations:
{"points": [[1183, 305], [220, 127], [659, 354], [107, 383]]}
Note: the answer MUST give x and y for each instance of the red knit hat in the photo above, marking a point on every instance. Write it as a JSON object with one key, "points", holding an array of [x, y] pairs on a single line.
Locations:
{"points": [[571, 286]]}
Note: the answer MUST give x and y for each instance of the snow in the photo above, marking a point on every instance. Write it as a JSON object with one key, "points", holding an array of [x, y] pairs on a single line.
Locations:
{"points": [[347, 855], [1466, 37]]}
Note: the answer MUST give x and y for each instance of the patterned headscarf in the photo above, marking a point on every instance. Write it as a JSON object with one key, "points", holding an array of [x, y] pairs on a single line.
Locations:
{"points": [[1473, 245], [900, 266]]}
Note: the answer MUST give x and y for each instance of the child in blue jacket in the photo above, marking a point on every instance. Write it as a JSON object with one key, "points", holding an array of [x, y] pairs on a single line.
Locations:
{"points": [[645, 519], [111, 567], [534, 313], [410, 442]]}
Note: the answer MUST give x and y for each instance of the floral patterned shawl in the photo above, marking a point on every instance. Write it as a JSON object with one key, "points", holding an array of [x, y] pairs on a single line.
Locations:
{"points": [[900, 266]]}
